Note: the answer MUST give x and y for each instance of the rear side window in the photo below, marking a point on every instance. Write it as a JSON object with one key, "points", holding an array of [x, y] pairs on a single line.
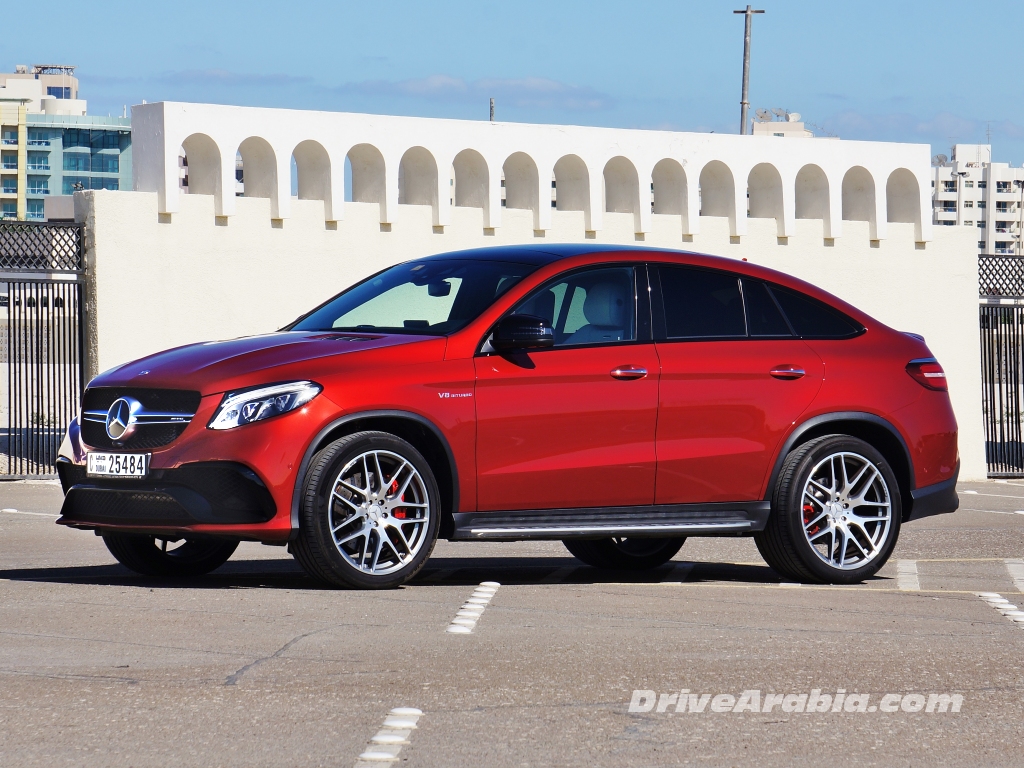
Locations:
{"points": [[811, 319], [763, 315], [701, 304]]}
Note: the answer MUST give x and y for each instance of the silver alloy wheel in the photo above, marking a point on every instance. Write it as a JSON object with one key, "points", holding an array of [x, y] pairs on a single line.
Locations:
{"points": [[379, 512], [846, 511]]}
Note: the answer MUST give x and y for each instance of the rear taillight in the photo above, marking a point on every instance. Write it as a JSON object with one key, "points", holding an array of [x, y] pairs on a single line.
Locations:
{"points": [[927, 372]]}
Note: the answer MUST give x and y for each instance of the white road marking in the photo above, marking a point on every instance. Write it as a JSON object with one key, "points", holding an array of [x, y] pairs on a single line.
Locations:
{"points": [[1004, 606], [995, 495], [906, 576], [1016, 568], [467, 617], [790, 584], [36, 514], [385, 746]]}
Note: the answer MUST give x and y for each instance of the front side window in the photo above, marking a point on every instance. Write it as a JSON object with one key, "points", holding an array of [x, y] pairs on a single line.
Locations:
{"points": [[431, 297], [592, 306]]}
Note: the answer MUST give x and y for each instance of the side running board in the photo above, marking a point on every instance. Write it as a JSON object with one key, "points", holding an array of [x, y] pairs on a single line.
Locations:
{"points": [[729, 519]]}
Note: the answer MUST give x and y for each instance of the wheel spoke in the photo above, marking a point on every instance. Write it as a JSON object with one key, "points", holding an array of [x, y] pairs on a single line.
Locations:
{"points": [[351, 503], [364, 531], [808, 526], [820, 487], [376, 551]]}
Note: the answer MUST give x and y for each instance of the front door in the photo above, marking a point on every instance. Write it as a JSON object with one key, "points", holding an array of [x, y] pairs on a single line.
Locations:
{"points": [[572, 426], [734, 379]]}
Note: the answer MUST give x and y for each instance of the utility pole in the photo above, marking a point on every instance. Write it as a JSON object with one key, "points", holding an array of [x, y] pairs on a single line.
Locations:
{"points": [[492, 110], [744, 103]]}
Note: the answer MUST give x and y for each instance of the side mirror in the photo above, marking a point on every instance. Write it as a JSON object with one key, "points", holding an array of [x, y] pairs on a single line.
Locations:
{"points": [[522, 332]]}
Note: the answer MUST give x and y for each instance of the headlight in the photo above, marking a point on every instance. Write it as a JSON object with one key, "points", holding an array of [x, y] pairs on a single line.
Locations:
{"points": [[240, 408]]}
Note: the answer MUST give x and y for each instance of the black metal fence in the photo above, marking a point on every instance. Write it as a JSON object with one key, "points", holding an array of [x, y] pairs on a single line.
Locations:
{"points": [[41, 343]]}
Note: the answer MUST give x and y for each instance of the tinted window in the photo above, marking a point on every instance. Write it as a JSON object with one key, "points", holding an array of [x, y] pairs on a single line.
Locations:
{"points": [[700, 303], [763, 315], [432, 297], [595, 306], [813, 320]]}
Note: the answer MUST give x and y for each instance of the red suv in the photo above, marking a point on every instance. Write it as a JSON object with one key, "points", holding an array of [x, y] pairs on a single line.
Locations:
{"points": [[617, 399]]}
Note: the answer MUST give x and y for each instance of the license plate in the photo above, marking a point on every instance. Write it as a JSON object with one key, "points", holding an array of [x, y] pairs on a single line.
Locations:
{"points": [[117, 464]]}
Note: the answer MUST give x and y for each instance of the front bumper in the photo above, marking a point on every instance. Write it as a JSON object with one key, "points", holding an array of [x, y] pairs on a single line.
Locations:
{"points": [[197, 494], [938, 499]]}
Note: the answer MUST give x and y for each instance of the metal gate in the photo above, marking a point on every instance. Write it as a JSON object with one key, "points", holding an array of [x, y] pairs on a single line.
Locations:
{"points": [[41, 343]]}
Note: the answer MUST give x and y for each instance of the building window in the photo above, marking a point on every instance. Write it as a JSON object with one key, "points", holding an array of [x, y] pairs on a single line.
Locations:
{"points": [[95, 140], [982, 184], [37, 186], [36, 210], [1004, 186], [10, 186], [968, 203], [981, 245], [1003, 226], [947, 223], [968, 184], [10, 210], [38, 138], [38, 161], [9, 162], [9, 137], [981, 203], [949, 186], [981, 224], [968, 223], [74, 184], [1004, 247], [60, 93]]}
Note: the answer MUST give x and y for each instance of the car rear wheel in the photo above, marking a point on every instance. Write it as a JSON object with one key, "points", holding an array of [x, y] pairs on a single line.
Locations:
{"points": [[836, 513], [169, 557], [370, 512], [631, 554]]}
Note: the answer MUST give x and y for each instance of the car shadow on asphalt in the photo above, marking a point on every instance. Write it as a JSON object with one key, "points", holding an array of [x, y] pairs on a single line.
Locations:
{"points": [[282, 573]]}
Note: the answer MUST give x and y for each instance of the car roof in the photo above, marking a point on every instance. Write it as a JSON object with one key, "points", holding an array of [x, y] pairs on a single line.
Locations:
{"points": [[539, 255]]}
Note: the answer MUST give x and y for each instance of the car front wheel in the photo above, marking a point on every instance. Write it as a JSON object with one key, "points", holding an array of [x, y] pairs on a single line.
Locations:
{"points": [[836, 513], [370, 513], [167, 556]]}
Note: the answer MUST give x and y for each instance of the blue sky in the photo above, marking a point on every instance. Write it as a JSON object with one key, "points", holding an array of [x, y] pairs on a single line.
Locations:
{"points": [[895, 71]]}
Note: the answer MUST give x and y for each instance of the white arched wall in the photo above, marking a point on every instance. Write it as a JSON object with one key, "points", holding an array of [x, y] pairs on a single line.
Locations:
{"points": [[670, 191], [472, 183], [369, 177], [813, 198], [903, 199], [765, 196], [316, 177], [718, 196], [261, 175], [572, 187], [860, 199], [522, 186], [203, 157], [420, 184], [622, 191]]}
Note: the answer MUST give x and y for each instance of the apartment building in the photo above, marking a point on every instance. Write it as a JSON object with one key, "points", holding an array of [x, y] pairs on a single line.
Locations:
{"points": [[969, 190], [50, 146]]}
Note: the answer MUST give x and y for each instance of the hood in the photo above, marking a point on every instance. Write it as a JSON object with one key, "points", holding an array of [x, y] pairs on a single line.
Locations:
{"points": [[216, 366]]}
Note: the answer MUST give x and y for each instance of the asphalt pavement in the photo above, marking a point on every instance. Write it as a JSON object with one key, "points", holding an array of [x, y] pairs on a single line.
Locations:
{"points": [[721, 661]]}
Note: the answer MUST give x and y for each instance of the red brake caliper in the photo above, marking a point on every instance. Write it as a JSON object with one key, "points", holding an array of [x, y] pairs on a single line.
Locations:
{"points": [[397, 513], [808, 516]]}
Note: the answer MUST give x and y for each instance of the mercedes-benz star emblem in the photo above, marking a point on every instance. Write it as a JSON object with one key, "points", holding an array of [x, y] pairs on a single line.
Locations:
{"points": [[121, 418]]}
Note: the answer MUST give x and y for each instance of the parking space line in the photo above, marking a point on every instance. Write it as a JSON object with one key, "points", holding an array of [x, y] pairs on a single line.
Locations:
{"points": [[1015, 566], [385, 746], [1004, 606], [467, 617], [36, 514], [906, 576]]}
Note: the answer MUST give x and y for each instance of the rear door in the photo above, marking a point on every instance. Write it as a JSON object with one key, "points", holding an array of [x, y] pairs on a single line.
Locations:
{"points": [[573, 426], [734, 378]]}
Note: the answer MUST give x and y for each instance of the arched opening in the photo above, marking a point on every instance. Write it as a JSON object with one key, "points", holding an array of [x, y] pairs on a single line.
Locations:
{"points": [[365, 169], [312, 171], [717, 190], [470, 175], [812, 198], [669, 182], [572, 184], [858, 195], [903, 197], [764, 192], [201, 165], [521, 181], [258, 166], [417, 178], [621, 186]]}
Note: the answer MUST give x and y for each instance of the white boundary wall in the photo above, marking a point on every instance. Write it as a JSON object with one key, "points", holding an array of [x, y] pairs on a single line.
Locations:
{"points": [[161, 280]]}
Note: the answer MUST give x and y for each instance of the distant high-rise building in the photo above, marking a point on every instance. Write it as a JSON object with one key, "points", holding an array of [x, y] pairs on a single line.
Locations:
{"points": [[50, 147]]}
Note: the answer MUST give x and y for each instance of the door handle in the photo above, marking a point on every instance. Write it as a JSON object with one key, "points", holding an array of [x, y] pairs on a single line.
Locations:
{"points": [[787, 372], [628, 372]]}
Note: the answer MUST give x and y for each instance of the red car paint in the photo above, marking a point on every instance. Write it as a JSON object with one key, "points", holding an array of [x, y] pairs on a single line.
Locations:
{"points": [[709, 422]]}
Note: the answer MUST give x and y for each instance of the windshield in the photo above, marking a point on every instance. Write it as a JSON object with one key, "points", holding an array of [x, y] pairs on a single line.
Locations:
{"points": [[430, 297]]}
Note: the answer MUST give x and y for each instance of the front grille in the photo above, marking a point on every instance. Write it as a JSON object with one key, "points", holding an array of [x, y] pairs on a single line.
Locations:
{"points": [[146, 436]]}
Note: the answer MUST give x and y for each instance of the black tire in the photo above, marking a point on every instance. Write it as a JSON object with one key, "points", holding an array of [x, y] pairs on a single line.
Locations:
{"points": [[166, 558], [315, 548], [784, 544], [625, 554]]}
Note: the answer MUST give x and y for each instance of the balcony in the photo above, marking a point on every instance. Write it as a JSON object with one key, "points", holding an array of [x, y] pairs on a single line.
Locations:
{"points": [[38, 168], [39, 143], [38, 191], [1004, 251], [9, 142]]}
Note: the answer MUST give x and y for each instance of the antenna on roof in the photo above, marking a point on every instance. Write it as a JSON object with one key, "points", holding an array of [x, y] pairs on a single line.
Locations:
{"points": [[763, 115]]}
